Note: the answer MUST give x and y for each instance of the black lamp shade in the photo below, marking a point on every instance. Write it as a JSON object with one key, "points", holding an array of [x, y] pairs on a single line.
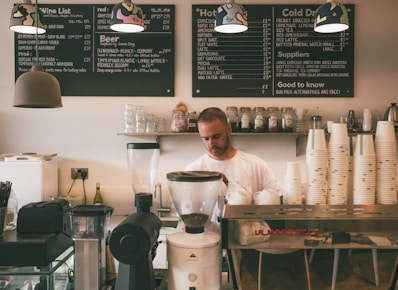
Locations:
{"points": [[331, 17], [23, 19], [127, 17], [231, 18]]}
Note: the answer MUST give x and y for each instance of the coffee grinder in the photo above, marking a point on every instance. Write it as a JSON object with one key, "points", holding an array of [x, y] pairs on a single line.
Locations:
{"points": [[134, 241], [88, 227], [194, 256]]}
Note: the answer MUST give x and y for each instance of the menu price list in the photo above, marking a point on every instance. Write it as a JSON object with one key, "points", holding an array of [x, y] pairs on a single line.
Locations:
{"points": [[278, 56], [89, 59]]}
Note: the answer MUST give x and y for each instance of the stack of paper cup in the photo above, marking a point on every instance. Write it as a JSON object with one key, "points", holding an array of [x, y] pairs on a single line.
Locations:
{"points": [[364, 178], [293, 185], [316, 161], [386, 157], [338, 152]]}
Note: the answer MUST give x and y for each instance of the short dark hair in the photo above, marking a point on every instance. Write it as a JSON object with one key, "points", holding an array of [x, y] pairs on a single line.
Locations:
{"points": [[211, 114]]}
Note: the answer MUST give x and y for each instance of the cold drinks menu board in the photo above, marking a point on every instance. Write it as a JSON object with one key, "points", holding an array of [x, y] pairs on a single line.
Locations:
{"points": [[280, 55], [89, 59]]}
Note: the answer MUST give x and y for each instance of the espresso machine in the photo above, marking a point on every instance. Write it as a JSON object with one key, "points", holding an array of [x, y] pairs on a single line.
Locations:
{"points": [[194, 255], [88, 227], [134, 241]]}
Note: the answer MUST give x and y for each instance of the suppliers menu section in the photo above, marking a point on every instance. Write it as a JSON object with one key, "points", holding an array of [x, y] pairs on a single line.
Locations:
{"points": [[278, 56], [89, 59]]}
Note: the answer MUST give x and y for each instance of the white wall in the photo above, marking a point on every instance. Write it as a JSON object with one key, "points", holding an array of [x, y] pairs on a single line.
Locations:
{"points": [[84, 132]]}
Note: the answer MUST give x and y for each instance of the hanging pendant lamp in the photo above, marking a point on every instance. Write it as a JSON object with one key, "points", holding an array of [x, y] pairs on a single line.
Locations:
{"points": [[331, 17], [231, 18], [127, 17], [25, 18], [37, 88]]}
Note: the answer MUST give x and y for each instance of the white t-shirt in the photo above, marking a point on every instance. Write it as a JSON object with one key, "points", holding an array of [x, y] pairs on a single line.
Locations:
{"points": [[244, 168]]}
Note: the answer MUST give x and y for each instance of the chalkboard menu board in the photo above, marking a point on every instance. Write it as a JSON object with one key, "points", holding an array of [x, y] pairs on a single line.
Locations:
{"points": [[278, 56], [89, 59]]}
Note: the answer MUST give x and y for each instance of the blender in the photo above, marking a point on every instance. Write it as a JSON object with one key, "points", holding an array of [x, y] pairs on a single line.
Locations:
{"points": [[194, 255], [134, 241]]}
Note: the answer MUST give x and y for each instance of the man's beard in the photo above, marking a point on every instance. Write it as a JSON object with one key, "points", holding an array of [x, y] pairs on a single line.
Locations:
{"points": [[220, 151]]}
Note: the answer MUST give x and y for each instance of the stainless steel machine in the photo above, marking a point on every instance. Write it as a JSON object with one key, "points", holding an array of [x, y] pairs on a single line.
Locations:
{"points": [[88, 227]]}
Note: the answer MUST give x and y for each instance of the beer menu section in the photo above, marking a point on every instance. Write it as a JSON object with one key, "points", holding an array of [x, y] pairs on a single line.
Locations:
{"points": [[278, 56], [89, 59]]}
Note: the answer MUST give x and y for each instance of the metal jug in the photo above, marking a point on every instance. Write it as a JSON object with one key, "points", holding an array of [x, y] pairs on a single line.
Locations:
{"points": [[392, 115]]}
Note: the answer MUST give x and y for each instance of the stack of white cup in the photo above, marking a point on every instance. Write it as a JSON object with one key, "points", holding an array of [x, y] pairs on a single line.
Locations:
{"points": [[386, 169], [338, 174], [364, 179], [316, 160], [293, 184]]}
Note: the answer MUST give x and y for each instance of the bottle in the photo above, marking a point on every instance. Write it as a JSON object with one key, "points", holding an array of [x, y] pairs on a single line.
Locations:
{"points": [[98, 197], [351, 121], [367, 120]]}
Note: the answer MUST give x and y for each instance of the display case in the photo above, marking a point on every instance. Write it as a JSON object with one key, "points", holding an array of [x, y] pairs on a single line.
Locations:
{"points": [[55, 276]]}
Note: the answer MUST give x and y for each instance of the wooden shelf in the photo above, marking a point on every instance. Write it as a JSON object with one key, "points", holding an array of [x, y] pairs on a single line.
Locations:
{"points": [[298, 136]]}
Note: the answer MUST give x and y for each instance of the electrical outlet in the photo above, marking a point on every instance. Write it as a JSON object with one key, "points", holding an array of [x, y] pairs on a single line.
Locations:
{"points": [[79, 173]]}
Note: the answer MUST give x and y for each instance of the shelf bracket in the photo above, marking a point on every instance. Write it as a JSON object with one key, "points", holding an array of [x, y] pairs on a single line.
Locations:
{"points": [[299, 143]]}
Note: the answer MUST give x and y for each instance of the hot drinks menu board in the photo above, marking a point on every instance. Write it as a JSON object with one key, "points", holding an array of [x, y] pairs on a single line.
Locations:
{"points": [[89, 59], [280, 55]]}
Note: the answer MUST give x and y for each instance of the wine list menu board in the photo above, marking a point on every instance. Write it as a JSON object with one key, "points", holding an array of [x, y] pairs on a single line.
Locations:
{"points": [[280, 55], [89, 59]]}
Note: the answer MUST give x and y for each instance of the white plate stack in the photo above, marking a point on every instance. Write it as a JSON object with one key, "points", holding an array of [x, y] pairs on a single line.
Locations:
{"points": [[386, 157], [364, 178], [293, 185], [338, 175], [316, 161]]}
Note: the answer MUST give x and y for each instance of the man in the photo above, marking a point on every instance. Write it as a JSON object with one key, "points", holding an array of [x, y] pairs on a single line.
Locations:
{"points": [[249, 170]]}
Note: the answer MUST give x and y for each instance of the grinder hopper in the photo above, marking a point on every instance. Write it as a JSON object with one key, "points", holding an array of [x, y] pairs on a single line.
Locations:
{"points": [[194, 194]]}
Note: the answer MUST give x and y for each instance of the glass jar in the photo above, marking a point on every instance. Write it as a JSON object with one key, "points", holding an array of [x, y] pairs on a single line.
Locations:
{"points": [[150, 124], [273, 119], [192, 121], [139, 119], [178, 122], [287, 119], [129, 118], [316, 122], [259, 120], [233, 118], [11, 213], [245, 118]]}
